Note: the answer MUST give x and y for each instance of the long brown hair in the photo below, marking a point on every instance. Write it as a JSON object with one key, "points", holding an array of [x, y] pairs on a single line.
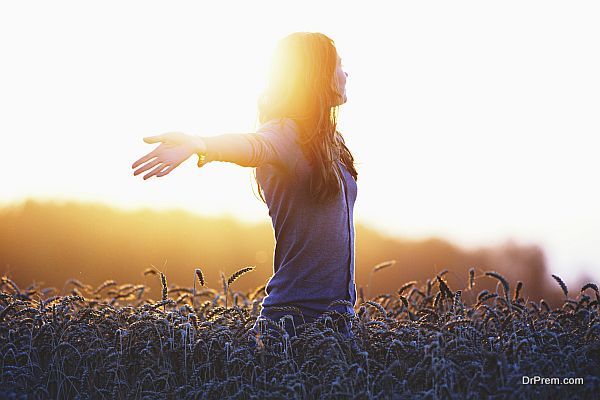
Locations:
{"points": [[302, 87]]}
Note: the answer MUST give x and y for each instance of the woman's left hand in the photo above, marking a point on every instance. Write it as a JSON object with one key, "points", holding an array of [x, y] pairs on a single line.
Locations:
{"points": [[175, 148]]}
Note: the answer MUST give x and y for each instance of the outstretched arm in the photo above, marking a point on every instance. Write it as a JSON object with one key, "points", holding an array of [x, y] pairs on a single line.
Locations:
{"points": [[267, 145], [245, 149], [273, 143]]}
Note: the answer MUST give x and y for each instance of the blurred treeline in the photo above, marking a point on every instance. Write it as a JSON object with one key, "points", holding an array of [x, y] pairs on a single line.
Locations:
{"points": [[52, 242]]}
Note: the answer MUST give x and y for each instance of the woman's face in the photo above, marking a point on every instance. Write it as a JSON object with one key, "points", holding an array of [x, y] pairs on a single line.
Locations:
{"points": [[340, 77]]}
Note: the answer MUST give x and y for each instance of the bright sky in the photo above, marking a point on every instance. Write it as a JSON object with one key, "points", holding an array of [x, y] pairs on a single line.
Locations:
{"points": [[475, 121]]}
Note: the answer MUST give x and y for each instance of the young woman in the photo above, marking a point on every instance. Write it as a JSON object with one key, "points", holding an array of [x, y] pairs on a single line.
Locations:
{"points": [[304, 171]]}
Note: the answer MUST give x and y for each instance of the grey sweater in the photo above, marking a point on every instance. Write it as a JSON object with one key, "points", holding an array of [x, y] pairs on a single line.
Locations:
{"points": [[314, 243]]}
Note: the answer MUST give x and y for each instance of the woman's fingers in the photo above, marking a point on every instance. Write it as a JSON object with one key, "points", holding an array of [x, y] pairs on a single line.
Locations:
{"points": [[155, 170], [168, 170], [146, 167], [174, 149], [147, 157]]}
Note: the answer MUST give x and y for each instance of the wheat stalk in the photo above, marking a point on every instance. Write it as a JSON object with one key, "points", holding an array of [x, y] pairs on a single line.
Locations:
{"points": [[377, 268], [197, 274], [562, 285], [471, 277], [237, 274]]}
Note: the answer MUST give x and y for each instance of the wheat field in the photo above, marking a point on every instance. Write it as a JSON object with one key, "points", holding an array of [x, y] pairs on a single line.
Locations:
{"points": [[426, 340]]}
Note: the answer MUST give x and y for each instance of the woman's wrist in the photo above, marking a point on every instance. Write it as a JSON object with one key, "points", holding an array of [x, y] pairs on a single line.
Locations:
{"points": [[199, 146]]}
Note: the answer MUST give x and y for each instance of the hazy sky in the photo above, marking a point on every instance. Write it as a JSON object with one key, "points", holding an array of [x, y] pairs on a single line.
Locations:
{"points": [[474, 121]]}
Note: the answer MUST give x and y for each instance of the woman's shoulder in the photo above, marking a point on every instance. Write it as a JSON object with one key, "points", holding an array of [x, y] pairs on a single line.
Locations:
{"points": [[281, 129], [281, 140]]}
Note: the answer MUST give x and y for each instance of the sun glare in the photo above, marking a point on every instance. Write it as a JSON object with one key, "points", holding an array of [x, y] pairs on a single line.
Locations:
{"points": [[458, 125]]}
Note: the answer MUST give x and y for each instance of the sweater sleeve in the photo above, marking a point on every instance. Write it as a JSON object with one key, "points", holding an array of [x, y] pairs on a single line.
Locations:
{"points": [[272, 143]]}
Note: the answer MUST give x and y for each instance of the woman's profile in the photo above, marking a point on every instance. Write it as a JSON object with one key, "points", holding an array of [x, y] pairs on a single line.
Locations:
{"points": [[305, 174]]}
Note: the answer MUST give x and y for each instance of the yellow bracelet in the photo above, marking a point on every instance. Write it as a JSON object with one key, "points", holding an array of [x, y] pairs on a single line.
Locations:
{"points": [[201, 160]]}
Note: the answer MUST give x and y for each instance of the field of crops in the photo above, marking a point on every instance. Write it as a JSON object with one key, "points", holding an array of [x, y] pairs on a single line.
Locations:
{"points": [[426, 340]]}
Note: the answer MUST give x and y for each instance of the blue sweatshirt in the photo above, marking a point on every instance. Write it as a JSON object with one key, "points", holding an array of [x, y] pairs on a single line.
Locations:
{"points": [[314, 243]]}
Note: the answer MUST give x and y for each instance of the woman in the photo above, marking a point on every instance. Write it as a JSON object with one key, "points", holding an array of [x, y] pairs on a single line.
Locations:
{"points": [[306, 172]]}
